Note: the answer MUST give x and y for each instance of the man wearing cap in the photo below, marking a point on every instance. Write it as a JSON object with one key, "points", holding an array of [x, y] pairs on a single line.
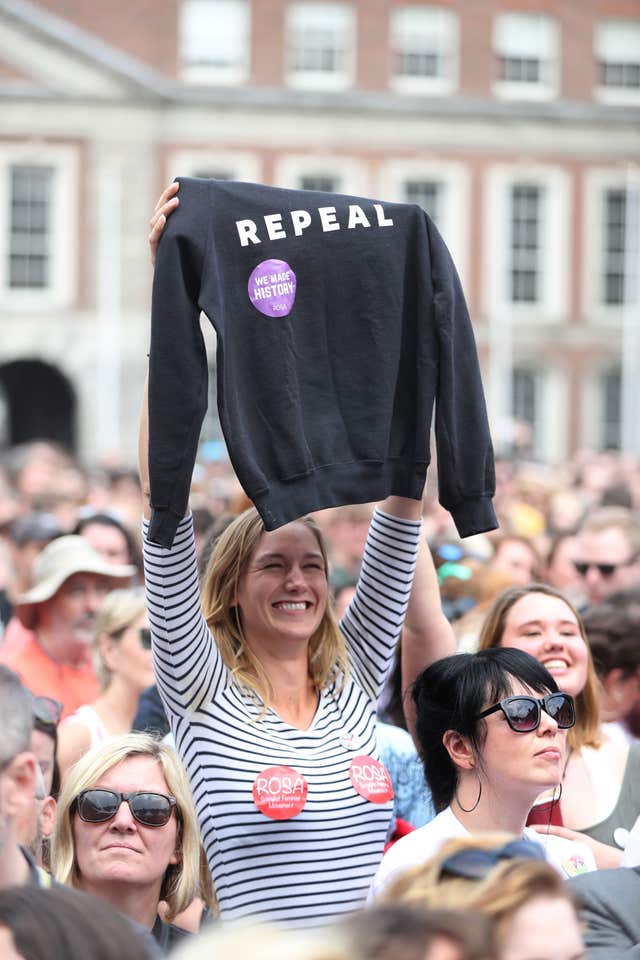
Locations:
{"points": [[53, 655]]}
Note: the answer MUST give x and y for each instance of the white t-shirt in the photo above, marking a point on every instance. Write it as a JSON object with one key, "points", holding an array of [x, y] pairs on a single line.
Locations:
{"points": [[567, 856]]}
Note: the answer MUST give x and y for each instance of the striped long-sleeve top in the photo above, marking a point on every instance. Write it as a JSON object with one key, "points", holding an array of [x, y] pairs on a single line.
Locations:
{"points": [[293, 821]]}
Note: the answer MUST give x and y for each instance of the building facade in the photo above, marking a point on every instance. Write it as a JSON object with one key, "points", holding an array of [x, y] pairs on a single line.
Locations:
{"points": [[514, 124]]}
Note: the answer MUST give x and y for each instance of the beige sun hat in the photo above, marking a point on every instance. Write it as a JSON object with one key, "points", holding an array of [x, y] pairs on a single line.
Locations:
{"points": [[59, 560]]}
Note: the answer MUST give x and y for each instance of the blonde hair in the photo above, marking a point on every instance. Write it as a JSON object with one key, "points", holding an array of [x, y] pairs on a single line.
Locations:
{"points": [[506, 887], [119, 609], [327, 653], [586, 731], [181, 882]]}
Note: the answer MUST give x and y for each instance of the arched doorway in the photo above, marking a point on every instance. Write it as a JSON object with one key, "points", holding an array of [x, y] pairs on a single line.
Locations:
{"points": [[40, 404]]}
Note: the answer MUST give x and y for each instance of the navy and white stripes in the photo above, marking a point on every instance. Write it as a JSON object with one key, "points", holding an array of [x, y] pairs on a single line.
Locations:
{"points": [[320, 862]]}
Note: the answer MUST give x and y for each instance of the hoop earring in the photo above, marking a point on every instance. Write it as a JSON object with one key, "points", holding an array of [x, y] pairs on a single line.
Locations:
{"points": [[470, 809]]}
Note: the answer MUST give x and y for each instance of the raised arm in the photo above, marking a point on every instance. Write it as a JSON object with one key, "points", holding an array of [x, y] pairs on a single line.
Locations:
{"points": [[143, 451], [374, 619], [427, 634]]}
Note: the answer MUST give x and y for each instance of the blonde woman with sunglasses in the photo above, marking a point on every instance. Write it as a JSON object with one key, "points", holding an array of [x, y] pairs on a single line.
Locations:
{"points": [[126, 832], [492, 731], [123, 665]]}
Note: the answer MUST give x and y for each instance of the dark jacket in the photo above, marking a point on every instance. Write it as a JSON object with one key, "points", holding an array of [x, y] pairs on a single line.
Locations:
{"points": [[340, 322]]}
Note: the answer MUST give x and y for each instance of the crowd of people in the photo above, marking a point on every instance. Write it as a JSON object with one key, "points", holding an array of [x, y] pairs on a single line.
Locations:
{"points": [[356, 735]]}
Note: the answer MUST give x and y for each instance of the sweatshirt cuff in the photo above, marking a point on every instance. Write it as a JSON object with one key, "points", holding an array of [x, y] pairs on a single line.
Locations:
{"points": [[163, 526], [474, 516]]}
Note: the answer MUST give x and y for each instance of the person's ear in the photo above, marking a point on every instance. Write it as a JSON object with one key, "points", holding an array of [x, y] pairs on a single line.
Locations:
{"points": [[107, 648], [459, 749], [20, 780], [48, 816]]}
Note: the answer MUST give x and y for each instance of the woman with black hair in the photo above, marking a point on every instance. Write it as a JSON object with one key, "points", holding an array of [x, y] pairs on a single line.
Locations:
{"points": [[492, 732]]}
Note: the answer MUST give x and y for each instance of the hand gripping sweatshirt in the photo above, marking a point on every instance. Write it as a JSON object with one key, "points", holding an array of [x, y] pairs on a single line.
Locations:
{"points": [[340, 322]]}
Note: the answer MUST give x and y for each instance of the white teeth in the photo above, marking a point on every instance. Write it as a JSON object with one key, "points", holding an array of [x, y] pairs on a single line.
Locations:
{"points": [[556, 664], [292, 606]]}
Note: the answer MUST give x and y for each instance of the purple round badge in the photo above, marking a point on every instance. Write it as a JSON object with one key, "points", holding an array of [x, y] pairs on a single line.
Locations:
{"points": [[272, 288]]}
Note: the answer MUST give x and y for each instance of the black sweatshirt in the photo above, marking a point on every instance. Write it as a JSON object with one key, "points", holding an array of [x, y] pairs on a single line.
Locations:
{"points": [[340, 321]]}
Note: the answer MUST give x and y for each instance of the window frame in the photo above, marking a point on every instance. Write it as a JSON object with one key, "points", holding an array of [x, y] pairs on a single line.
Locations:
{"points": [[63, 236], [546, 88], [230, 74], [621, 95], [552, 305], [598, 182], [309, 79], [350, 174], [442, 82]]}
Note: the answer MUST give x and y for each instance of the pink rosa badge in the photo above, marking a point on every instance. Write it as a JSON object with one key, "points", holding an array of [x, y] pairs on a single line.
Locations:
{"points": [[280, 792], [272, 288], [371, 779]]}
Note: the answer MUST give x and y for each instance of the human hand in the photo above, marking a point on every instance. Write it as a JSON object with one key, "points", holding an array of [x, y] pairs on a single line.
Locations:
{"points": [[606, 856], [167, 203]]}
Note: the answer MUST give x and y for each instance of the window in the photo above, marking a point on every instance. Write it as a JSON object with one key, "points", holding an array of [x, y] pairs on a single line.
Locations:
{"points": [[214, 165], [618, 283], [38, 236], [617, 53], [214, 41], [320, 45], [525, 243], [323, 183], [611, 393], [614, 244], [424, 42], [428, 194], [326, 172], [30, 190], [526, 48]]}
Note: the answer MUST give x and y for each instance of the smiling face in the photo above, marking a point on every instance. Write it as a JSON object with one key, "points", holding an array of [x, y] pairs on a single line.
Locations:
{"points": [[530, 762], [122, 851], [545, 627], [283, 592]]}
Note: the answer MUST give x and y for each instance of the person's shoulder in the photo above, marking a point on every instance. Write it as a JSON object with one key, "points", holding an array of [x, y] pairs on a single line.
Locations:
{"points": [[416, 847], [413, 850], [616, 882]]}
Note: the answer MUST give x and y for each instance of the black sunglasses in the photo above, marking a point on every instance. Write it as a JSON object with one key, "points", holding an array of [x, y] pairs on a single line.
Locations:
{"points": [[46, 711], [476, 863], [523, 713], [604, 569], [145, 638], [97, 806]]}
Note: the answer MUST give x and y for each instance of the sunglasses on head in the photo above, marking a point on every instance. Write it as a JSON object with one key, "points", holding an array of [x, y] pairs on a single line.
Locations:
{"points": [[46, 711], [604, 569], [145, 638], [476, 863], [523, 713], [97, 806]]}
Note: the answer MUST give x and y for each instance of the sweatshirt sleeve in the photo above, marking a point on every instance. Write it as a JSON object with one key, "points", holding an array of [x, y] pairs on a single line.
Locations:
{"points": [[466, 473], [178, 372]]}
